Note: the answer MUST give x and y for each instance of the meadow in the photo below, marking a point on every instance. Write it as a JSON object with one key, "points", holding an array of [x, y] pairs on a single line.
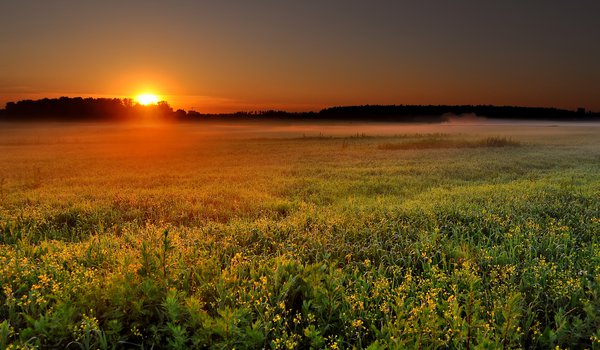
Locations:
{"points": [[299, 236]]}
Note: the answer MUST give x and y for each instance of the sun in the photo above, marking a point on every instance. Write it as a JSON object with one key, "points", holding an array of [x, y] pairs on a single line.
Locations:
{"points": [[147, 99]]}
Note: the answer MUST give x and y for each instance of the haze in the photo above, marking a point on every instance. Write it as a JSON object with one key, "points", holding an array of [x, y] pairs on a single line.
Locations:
{"points": [[215, 56]]}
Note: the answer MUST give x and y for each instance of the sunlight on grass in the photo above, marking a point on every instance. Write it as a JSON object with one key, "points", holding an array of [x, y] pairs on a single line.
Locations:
{"points": [[194, 238]]}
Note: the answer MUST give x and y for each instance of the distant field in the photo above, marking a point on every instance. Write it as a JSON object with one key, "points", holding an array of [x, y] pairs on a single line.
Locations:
{"points": [[297, 236]]}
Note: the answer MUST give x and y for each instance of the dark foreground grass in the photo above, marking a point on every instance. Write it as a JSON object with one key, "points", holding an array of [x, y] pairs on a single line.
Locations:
{"points": [[200, 242]]}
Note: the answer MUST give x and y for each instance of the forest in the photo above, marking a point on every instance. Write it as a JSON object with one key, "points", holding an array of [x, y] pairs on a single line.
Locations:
{"points": [[115, 109]]}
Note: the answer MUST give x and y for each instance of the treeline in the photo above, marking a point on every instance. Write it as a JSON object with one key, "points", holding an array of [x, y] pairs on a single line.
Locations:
{"points": [[114, 109], [413, 113], [86, 109], [442, 112]]}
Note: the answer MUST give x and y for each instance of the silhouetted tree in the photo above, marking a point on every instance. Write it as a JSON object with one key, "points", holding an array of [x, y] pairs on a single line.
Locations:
{"points": [[114, 109], [84, 109]]}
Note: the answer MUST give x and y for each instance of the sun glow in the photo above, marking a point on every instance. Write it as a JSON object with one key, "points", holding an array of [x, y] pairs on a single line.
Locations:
{"points": [[147, 99]]}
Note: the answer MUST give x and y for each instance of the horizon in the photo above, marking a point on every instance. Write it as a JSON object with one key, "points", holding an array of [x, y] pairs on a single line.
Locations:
{"points": [[226, 57], [157, 100]]}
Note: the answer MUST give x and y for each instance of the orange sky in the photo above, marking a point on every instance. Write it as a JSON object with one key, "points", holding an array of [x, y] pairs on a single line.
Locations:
{"points": [[235, 55]]}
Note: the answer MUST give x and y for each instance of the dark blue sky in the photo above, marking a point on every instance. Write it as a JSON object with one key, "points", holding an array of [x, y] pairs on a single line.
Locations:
{"points": [[302, 55]]}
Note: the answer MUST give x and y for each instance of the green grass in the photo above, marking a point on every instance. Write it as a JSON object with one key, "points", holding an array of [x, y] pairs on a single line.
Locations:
{"points": [[201, 237]]}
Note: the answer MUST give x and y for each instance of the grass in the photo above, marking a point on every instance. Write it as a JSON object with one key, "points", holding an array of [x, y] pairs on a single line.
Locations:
{"points": [[196, 238], [435, 142]]}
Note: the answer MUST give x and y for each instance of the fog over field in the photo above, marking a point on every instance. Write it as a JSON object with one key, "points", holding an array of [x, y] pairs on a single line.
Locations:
{"points": [[62, 132]]}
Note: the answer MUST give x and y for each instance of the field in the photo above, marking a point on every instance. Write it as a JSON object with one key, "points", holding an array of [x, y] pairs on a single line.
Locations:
{"points": [[293, 236]]}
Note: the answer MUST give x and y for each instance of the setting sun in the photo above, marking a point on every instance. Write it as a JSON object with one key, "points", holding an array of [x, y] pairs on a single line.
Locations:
{"points": [[147, 99]]}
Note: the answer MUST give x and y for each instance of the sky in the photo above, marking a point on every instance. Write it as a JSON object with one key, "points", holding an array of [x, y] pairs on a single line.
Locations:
{"points": [[224, 56]]}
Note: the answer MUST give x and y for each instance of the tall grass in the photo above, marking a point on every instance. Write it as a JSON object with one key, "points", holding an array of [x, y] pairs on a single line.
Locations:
{"points": [[229, 242], [435, 142]]}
